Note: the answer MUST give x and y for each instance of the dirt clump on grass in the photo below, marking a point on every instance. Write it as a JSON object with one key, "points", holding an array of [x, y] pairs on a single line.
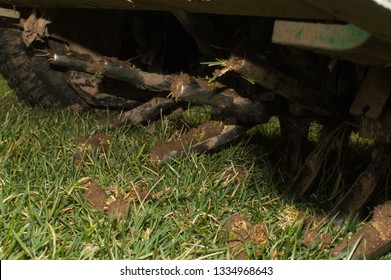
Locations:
{"points": [[162, 151], [118, 207], [108, 201], [370, 242], [373, 240], [84, 145], [95, 196], [240, 232], [258, 234], [235, 175], [314, 238]]}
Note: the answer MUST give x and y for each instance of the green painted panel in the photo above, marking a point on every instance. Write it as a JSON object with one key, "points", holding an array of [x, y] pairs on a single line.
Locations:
{"points": [[336, 37]]}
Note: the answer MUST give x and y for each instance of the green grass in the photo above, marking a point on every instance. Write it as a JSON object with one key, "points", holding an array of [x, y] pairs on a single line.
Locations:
{"points": [[44, 214]]}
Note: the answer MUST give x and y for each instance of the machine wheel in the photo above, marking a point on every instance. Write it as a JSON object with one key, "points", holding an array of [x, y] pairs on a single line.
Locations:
{"points": [[31, 76]]}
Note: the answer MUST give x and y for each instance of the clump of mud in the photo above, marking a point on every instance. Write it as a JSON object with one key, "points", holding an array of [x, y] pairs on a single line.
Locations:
{"points": [[239, 232], [118, 207], [312, 237], [95, 195], [373, 240], [84, 146], [162, 151]]}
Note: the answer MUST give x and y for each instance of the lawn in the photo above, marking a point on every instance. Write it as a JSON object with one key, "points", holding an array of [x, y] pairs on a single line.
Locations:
{"points": [[189, 208]]}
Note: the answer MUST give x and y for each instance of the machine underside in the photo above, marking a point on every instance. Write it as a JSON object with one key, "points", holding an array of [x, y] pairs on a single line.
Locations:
{"points": [[299, 61]]}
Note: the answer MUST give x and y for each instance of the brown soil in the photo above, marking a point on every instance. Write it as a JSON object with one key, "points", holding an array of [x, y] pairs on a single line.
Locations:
{"points": [[314, 239], [85, 145], [118, 209], [139, 194], [95, 141], [236, 175], [95, 196], [99, 200], [239, 232], [373, 240], [161, 151], [177, 84], [258, 234], [314, 220], [238, 227]]}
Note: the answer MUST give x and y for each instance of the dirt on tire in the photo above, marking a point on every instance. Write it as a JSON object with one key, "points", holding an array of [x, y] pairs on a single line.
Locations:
{"points": [[31, 75]]}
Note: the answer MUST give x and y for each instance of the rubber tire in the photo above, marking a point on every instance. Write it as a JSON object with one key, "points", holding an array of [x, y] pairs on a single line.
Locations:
{"points": [[31, 76]]}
